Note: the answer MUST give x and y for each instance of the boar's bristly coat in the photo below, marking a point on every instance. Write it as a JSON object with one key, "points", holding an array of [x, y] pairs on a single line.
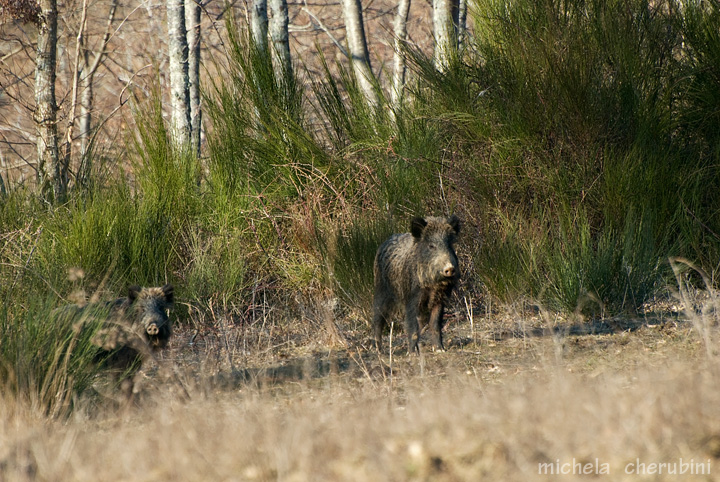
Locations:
{"points": [[138, 325], [129, 330], [415, 274]]}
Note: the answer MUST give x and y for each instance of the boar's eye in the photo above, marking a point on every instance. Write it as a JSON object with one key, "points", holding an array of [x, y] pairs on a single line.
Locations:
{"points": [[431, 246]]}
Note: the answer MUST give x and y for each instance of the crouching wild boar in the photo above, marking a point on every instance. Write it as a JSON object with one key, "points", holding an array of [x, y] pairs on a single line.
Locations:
{"points": [[415, 273], [129, 330]]}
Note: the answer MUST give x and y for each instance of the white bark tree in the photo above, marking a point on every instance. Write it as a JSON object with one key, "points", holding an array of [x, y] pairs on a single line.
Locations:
{"points": [[279, 36], [179, 77], [359, 56], [445, 29], [462, 21], [192, 17], [399, 67], [259, 25], [51, 174]]}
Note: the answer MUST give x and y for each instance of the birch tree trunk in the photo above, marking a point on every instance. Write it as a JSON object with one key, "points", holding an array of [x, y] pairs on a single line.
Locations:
{"points": [[282, 61], [3, 192], [50, 172], [359, 56], [445, 22], [86, 107], [192, 13], [67, 145], [462, 22], [258, 32], [399, 67], [259, 25], [179, 78]]}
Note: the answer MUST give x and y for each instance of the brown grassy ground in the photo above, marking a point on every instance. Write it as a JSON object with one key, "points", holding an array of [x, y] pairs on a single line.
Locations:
{"points": [[274, 401]]}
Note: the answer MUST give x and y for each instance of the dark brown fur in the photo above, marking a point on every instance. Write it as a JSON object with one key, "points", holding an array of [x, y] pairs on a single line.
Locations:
{"points": [[415, 273], [134, 329]]}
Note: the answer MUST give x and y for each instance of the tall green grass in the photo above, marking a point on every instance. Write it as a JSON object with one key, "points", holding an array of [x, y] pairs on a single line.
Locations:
{"points": [[349, 253], [260, 141], [588, 175], [578, 140], [47, 358]]}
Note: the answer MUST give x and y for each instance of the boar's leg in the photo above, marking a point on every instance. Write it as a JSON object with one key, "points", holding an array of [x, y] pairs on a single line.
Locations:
{"points": [[380, 312], [411, 324], [423, 311], [436, 322]]}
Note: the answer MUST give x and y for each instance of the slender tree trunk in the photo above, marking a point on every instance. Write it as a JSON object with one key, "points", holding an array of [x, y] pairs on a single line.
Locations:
{"points": [[85, 119], [280, 38], [445, 22], [3, 192], [179, 78], [359, 56], [259, 25], [259, 34], [86, 83], [462, 22], [399, 68], [77, 67], [86, 107], [192, 12], [50, 172]]}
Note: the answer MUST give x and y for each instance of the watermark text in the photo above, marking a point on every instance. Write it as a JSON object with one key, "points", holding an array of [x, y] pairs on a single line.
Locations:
{"points": [[637, 467]]}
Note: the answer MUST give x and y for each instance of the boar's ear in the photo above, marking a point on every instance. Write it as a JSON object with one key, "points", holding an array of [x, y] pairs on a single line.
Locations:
{"points": [[169, 293], [417, 225], [133, 293], [454, 223]]}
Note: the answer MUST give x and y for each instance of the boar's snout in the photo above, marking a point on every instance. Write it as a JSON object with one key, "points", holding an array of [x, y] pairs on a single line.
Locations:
{"points": [[153, 324], [449, 271]]}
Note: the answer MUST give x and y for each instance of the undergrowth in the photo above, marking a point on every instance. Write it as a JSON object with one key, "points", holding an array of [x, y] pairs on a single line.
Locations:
{"points": [[578, 140]]}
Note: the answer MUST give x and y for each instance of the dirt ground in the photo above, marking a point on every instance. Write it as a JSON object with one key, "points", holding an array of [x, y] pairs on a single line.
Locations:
{"points": [[492, 346], [523, 395]]}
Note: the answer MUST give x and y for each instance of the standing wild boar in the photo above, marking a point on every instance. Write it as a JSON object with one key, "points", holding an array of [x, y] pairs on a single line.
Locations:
{"points": [[131, 329], [416, 272]]}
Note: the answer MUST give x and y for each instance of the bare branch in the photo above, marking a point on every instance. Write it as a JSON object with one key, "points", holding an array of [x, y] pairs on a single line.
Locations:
{"points": [[326, 30], [106, 38], [73, 102]]}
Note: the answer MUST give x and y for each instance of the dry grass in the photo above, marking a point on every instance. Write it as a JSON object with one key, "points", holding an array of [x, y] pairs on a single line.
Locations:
{"points": [[457, 428], [493, 407]]}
